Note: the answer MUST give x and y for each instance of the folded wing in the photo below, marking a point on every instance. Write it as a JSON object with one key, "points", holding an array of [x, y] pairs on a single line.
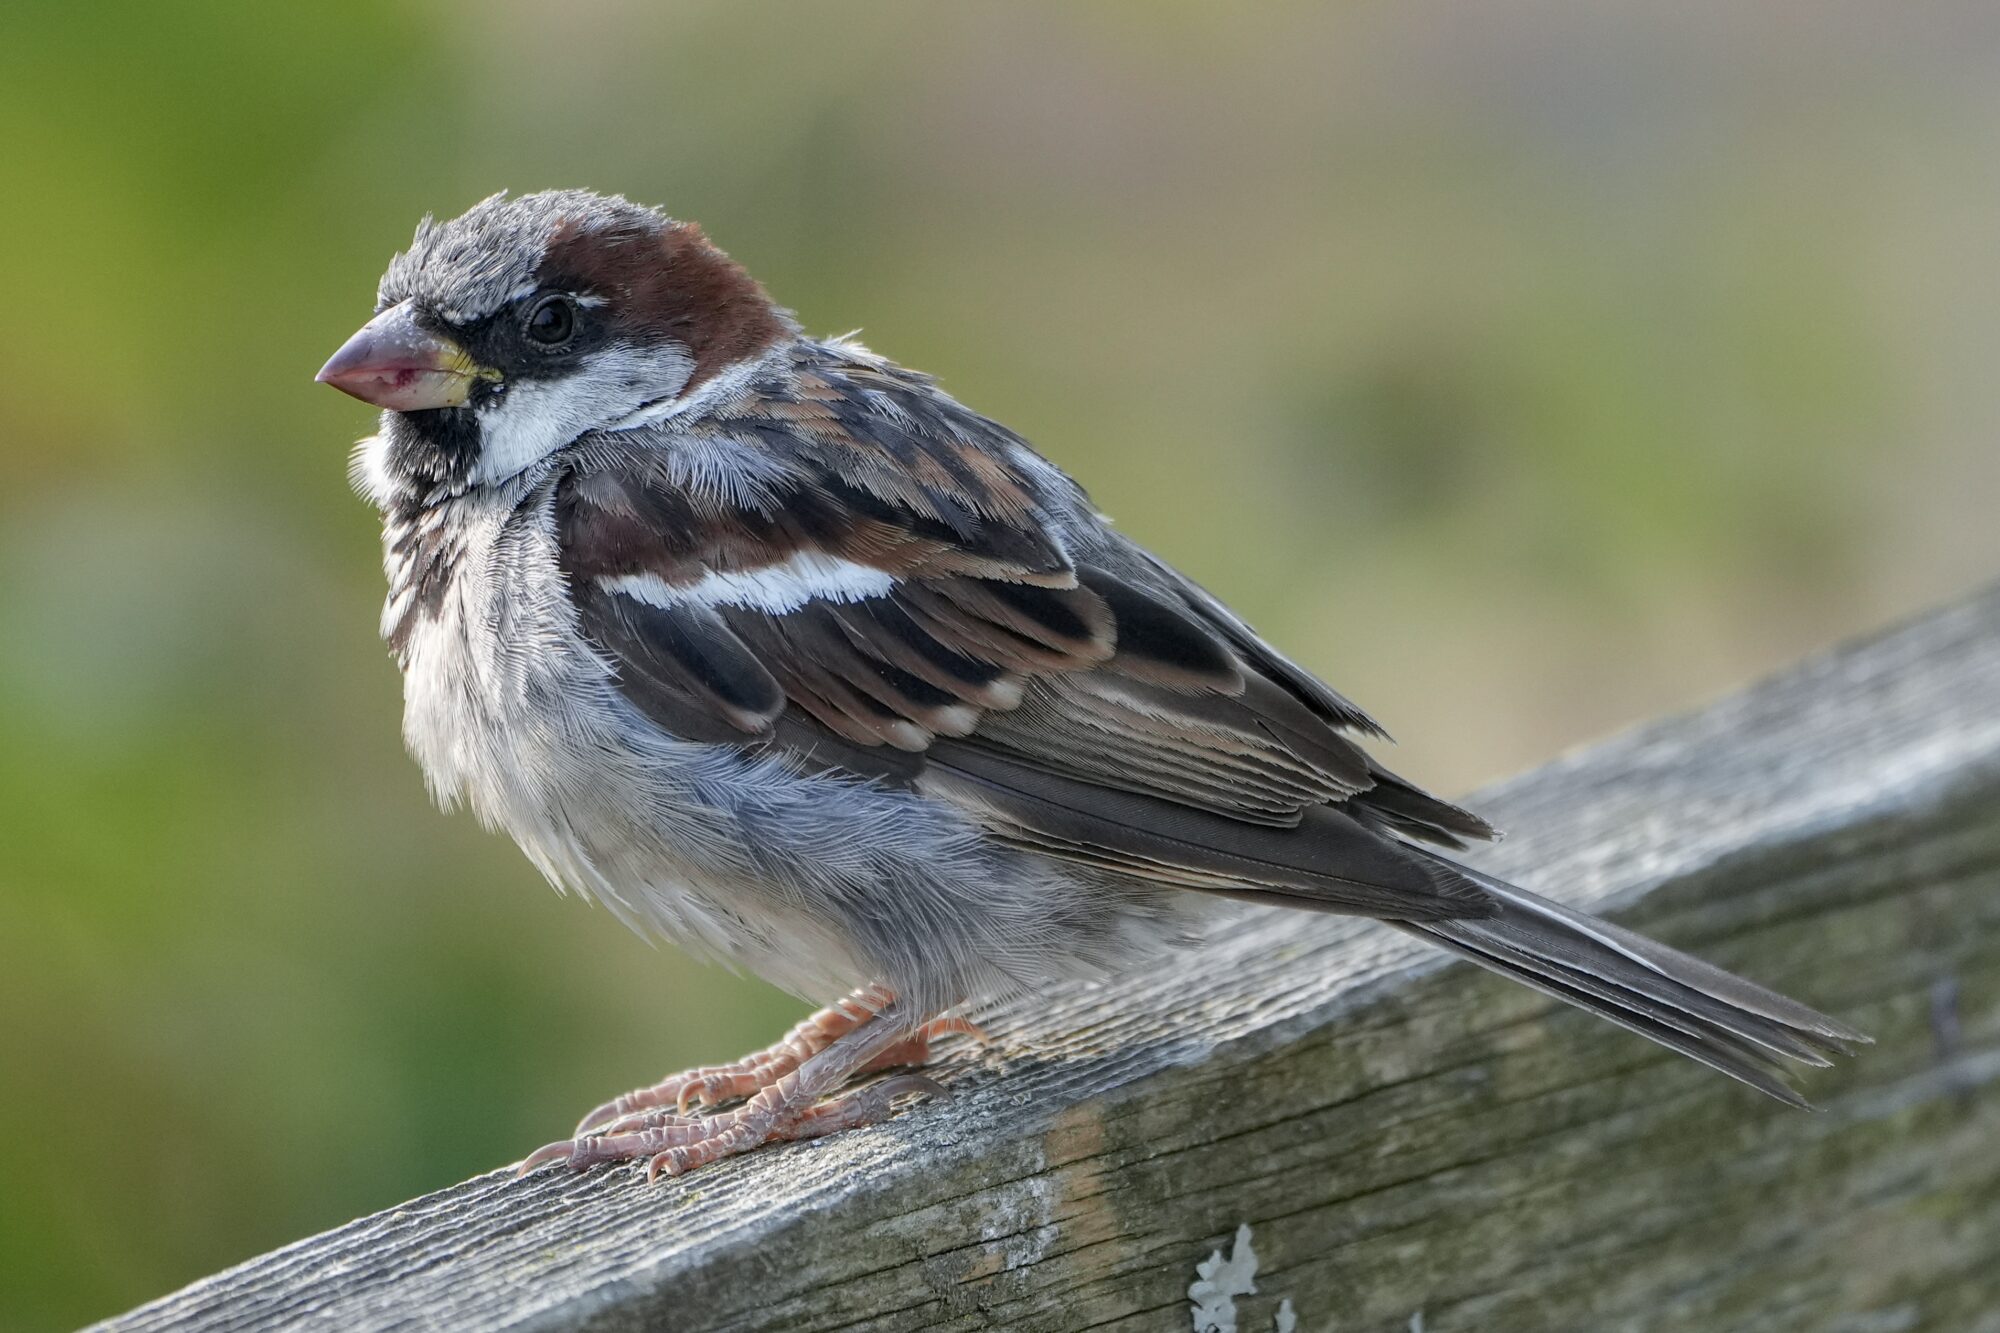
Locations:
{"points": [[876, 581]]}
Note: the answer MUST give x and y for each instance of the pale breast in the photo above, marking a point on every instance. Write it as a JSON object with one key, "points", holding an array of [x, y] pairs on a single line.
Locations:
{"points": [[509, 711], [815, 881]]}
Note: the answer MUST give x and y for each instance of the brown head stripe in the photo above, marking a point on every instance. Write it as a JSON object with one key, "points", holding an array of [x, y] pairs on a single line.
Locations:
{"points": [[668, 282]]}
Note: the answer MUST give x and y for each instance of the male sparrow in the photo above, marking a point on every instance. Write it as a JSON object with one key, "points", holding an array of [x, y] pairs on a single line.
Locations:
{"points": [[776, 649]]}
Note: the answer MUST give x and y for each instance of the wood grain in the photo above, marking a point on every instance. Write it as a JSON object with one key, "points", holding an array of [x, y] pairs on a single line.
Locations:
{"points": [[1404, 1134]]}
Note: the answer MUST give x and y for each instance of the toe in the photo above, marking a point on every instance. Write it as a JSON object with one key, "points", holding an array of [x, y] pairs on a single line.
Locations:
{"points": [[960, 1027], [603, 1115], [558, 1151]]}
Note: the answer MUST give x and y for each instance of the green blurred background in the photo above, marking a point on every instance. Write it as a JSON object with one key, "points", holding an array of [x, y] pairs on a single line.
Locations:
{"points": [[1526, 368]]}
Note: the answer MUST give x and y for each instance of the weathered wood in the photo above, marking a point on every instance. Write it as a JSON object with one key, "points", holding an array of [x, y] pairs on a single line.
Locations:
{"points": [[1404, 1134]]}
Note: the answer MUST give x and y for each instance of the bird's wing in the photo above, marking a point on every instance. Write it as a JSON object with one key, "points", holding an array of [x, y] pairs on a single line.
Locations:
{"points": [[867, 576]]}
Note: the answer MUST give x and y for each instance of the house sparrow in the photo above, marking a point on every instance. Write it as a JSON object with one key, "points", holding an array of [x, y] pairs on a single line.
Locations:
{"points": [[777, 650]]}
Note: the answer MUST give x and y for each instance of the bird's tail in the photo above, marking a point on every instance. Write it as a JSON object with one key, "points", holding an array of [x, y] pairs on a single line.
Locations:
{"points": [[1684, 1004]]}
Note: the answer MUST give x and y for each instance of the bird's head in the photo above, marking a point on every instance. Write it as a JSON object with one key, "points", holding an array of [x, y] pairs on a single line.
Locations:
{"points": [[525, 323]]}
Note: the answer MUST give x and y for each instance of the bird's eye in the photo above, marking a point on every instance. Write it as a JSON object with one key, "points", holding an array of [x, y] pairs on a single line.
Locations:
{"points": [[550, 322]]}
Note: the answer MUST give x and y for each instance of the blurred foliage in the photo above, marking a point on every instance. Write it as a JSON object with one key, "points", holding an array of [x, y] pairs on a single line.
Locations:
{"points": [[1525, 368]]}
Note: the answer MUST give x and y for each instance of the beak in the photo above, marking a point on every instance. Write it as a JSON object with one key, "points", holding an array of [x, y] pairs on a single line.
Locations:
{"points": [[395, 364]]}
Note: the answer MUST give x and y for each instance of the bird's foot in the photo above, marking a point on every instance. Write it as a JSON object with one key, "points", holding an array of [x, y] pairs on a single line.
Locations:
{"points": [[781, 1089], [711, 1085], [673, 1144]]}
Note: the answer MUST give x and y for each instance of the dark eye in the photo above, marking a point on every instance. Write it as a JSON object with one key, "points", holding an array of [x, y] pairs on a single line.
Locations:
{"points": [[550, 322]]}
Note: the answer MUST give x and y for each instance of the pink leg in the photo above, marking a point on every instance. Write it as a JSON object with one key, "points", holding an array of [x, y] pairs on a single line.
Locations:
{"points": [[915, 1051], [783, 1085], [713, 1084]]}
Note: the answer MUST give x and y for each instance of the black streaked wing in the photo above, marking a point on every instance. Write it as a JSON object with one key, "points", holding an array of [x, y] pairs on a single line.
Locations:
{"points": [[872, 609], [1330, 860], [683, 667]]}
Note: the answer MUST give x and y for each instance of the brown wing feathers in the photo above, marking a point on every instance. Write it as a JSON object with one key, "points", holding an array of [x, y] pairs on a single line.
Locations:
{"points": [[685, 670], [1330, 861], [1118, 719]]}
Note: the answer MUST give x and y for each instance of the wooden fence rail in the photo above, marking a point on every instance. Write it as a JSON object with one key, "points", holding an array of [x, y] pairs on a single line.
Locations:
{"points": [[1412, 1142]]}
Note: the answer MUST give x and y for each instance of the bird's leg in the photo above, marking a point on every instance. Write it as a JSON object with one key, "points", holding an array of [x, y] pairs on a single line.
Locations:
{"points": [[863, 1034], [713, 1084], [914, 1051]]}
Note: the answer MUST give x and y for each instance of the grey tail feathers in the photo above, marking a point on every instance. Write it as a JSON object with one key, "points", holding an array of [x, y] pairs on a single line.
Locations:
{"points": [[1684, 1004]]}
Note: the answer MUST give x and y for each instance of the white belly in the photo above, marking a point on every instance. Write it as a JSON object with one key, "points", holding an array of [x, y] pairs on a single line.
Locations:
{"points": [[818, 883], [508, 710]]}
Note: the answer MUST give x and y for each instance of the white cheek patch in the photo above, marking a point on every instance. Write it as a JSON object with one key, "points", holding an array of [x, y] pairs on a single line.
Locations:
{"points": [[807, 576], [719, 391], [531, 419]]}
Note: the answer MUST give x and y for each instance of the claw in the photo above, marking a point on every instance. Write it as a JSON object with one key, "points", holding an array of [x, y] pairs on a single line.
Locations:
{"points": [[879, 1096], [603, 1115], [542, 1156], [714, 1086], [787, 1092]]}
